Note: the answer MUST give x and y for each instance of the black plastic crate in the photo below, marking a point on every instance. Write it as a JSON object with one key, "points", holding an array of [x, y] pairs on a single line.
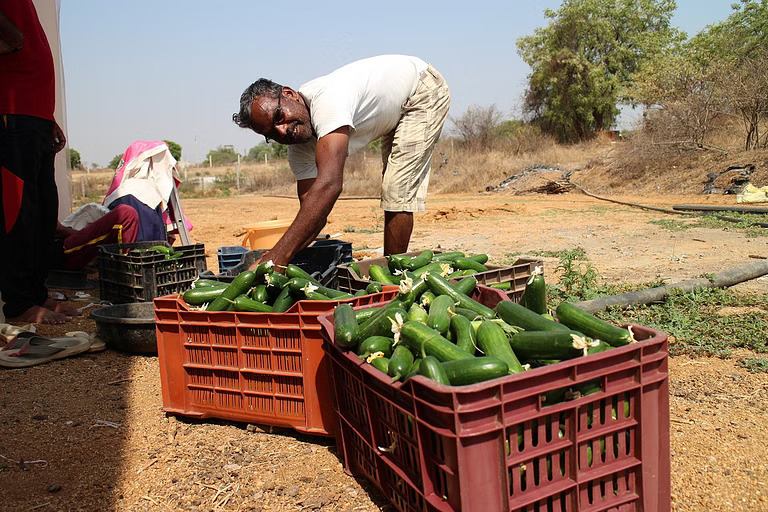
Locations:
{"points": [[230, 256], [319, 259], [129, 276]]}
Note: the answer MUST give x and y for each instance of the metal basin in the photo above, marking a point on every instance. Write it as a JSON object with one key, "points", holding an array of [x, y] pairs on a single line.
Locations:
{"points": [[127, 327]]}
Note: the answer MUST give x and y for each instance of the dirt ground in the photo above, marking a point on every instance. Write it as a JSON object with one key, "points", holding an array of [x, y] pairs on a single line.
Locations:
{"points": [[53, 416]]}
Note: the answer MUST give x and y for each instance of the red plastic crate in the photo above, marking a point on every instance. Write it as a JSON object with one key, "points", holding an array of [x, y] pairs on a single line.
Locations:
{"points": [[266, 368], [496, 446]]}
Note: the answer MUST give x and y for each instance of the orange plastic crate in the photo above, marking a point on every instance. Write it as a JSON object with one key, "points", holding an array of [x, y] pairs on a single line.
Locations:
{"points": [[266, 368]]}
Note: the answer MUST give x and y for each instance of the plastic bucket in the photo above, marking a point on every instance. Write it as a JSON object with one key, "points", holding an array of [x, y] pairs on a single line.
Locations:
{"points": [[265, 235]]}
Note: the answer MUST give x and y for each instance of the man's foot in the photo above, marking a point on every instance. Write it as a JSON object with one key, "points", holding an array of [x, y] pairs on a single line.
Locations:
{"points": [[65, 308], [40, 315]]}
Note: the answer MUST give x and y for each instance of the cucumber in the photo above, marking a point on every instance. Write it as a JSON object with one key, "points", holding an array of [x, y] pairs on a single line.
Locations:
{"points": [[263, 269], [448, 256], [317, 296], [579, 320], [549, 317], [535, 294], [417, 313], [240, 285], [200, 295], [360, 293], [459, 274], [419, 287], [283, 301], [474, 369], [467, 313], [425, 341], [345, 326], [400, 362], [204, 283], [414, 369], [515, 314], [381, 364], [361, 315], [439, 317], [441, 287], [373, 287], [466, 285], [397, 261], [380, 323], [298, 284], [600, 347], [276, 280], [435, 267], [375, 344], [505, 286], [259, 293], [419, 261], [431, 368], [493, 341], [355, 268], [243, 303], [546, 344], [292, 271], [463, 333], [377, 273], [468, 264], [426, 298], [480, 258]]}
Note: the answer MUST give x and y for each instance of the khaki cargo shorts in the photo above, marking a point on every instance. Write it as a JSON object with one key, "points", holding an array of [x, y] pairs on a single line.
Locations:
{"points": [[407, 151]]}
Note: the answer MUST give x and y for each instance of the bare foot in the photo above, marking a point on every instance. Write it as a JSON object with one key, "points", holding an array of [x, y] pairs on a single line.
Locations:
{"points": [[41, 315], [65, 308]]}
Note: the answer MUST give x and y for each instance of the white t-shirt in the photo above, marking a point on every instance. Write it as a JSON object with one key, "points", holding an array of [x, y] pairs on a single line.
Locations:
{"points": [[367, 95]]}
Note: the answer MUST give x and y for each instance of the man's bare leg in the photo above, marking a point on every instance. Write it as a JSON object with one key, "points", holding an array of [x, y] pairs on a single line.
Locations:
{"points": [[63, 307], [397, 232], [40, 315]]}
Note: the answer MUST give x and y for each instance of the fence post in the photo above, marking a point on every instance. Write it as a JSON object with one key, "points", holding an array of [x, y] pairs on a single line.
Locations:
{"points": [[238, 174]]}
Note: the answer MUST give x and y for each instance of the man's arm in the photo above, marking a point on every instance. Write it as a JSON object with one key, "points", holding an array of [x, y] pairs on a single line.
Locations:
{"points": [[317, 200], [11, 38]]}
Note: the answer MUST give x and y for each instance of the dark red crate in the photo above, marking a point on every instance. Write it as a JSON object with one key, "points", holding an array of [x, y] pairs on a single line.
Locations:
{"points": [[266, 368], [496, 446]]}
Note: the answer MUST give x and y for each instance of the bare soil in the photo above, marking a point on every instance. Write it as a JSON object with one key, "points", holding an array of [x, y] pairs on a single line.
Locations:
{"points": [[53, 416]]}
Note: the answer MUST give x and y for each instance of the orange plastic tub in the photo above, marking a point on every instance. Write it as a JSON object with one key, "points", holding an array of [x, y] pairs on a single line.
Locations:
{"points": [[265, 235]]}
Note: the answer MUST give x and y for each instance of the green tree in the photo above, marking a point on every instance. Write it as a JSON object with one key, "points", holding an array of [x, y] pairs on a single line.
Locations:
{"points": [[222, 155], [273, 151], [585, 57], [74, 159], [115, 162], [174, 148]]}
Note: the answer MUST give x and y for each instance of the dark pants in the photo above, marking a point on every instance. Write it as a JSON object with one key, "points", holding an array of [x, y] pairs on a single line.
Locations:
{"points": [[30, 210]]}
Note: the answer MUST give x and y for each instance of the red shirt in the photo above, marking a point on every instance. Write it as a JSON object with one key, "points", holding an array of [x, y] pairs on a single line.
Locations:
{"points": [[27, 77]]}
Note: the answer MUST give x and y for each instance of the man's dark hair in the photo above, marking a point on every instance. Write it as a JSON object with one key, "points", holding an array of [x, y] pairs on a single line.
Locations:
{"points": [[261, 87]]}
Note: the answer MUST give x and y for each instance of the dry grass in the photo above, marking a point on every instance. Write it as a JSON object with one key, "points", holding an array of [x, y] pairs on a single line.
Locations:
{"points": [[647, 162]]}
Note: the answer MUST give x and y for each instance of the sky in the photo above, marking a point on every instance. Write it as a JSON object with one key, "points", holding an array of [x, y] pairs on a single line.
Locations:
{"points": [[175, 69]]}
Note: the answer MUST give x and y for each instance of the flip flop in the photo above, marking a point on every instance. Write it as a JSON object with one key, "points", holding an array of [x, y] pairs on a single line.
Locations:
{"points": [[8, 332], [28, 349], [97, 345]]}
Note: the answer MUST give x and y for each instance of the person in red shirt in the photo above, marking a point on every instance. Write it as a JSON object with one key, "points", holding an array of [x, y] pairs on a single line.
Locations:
{"points": [[29, 139]]}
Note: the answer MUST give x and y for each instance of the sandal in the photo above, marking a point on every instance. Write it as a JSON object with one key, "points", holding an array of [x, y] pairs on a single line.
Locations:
{"points": [[28, 349]]}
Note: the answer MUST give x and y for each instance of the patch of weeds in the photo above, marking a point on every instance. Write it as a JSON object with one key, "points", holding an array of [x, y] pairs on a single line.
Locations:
{"points": [[745, 224], [755, 364], [693, 319], [353, 229], [577, 253], [671, 224]]}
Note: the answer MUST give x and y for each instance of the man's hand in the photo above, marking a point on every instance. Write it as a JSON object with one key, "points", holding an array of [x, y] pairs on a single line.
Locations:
{"points": [[63, 231], [59, 140], [11, 38]]}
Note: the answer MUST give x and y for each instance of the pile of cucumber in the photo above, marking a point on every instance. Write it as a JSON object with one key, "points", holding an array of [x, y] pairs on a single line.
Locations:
{"points": [[166, 251], [451, 265], [435, 329], [263, 290]]}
